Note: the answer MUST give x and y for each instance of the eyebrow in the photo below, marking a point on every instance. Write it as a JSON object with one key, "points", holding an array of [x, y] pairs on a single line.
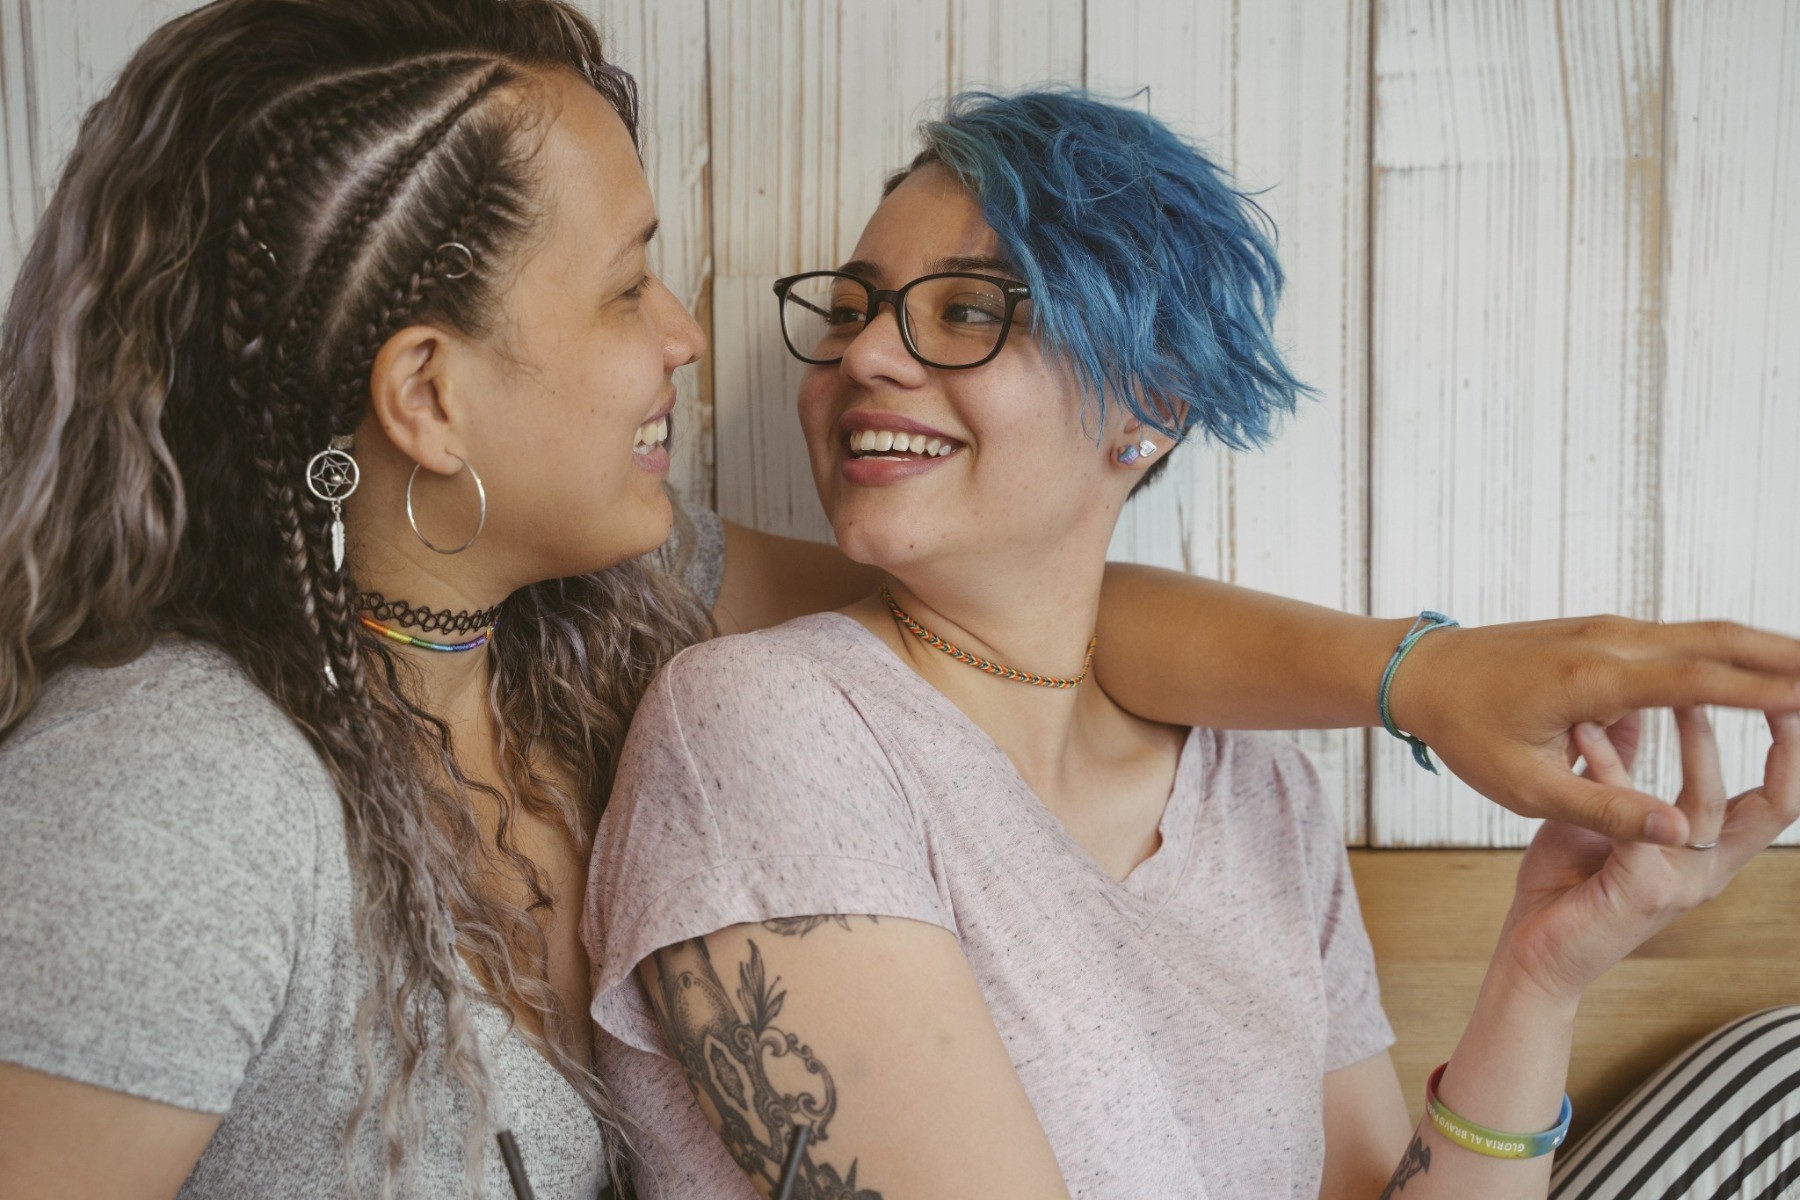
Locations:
{"points": [[637, 243], [987, 265], [984, 264]]}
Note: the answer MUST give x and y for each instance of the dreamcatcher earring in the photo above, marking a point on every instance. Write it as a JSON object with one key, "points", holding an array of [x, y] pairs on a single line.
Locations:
{"points": [[332, 476]]}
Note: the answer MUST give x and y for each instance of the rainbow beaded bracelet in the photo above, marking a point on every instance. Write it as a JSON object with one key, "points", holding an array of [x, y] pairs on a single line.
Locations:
{"points": [[1492, 1142]]}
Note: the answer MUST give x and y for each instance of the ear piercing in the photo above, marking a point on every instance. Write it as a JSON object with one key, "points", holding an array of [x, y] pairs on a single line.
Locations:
{"points": [[332, 475], [1131, 454]]}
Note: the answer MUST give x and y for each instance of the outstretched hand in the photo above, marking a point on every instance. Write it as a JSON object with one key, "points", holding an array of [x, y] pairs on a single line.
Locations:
{"points": [[1585, 901], [1498, 704]]}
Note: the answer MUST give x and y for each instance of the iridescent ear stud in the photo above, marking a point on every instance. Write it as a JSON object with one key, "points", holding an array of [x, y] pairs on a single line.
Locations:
{"points": [[1131, 454]]}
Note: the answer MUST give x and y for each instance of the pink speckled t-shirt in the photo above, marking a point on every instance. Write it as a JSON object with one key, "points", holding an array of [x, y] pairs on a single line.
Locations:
{"points": [[1172, 1030]]}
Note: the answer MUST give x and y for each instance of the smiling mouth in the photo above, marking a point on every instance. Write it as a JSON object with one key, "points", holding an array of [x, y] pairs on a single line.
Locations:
{"points": [[887, 444], [651, 434]]}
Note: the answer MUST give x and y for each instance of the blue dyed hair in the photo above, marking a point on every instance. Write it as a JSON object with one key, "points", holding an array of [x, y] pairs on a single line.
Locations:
{"points": [[1151, 274]]}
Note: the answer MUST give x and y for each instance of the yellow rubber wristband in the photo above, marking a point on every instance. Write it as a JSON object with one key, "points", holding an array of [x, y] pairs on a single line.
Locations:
{"points": [[1493, 1142]]}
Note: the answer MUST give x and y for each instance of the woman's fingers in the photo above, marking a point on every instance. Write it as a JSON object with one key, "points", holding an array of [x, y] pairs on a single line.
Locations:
{"points": [[1692, 682], [1606, 791], [1604, 762], [1618, 811], [1760, 815], [1626, 734], [1721, 641], [1702, 797]]}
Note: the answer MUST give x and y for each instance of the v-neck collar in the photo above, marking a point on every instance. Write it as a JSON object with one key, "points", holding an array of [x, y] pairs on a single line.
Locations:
{"points": [[1147, 887]]}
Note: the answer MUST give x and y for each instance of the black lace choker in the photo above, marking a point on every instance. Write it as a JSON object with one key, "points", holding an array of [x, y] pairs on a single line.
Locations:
{"points": [[424, 619]]}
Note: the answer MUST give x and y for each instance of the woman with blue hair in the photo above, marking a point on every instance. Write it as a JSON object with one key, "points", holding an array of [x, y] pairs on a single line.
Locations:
{"points": [[911, 907]]}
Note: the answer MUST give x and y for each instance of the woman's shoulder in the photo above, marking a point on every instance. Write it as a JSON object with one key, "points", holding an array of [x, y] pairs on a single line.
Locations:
{"points": [[749, 709], [169, 733], [796, 662], [161, 823]]}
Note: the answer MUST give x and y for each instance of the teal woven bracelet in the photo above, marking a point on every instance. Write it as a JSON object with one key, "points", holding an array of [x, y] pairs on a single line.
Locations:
{"points": [[1425, 623]]}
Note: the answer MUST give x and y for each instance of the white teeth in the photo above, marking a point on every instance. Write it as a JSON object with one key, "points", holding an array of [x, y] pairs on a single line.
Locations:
{"points": [[881, 441], [650, 435]]}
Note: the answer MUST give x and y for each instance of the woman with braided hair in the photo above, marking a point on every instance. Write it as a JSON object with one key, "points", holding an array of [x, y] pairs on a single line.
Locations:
{"points": [[333, 399]]}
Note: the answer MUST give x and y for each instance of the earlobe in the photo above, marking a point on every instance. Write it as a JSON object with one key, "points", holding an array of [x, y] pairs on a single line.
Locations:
{"points": [[413, 399], [1137, 451]]}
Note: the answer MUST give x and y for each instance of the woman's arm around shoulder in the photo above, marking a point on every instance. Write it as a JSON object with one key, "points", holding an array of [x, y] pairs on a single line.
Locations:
{"points": [[1496, 703], [870, 1032]]}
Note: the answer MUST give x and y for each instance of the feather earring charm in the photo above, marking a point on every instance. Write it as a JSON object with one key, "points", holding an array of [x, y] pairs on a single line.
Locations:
{"points": [[332, 476]]}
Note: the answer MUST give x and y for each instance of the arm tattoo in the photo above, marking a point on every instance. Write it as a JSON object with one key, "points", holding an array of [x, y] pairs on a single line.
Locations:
{"points": [[726, 1050], [1417, 1161], [801, 926]]}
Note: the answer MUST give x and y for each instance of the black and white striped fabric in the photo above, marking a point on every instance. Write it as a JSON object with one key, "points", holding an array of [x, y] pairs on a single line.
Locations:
{"points": [[1720, 1122]]}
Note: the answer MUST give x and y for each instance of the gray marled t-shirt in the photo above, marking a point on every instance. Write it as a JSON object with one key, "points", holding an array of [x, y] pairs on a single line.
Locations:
{"points": [[1173, 1031], [176, 923]]}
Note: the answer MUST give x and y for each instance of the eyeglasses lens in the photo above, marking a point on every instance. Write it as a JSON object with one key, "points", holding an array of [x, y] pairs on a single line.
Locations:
{"points": [[952, 320]]}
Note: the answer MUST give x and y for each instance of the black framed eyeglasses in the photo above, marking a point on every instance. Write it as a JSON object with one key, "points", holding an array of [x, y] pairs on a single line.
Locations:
{"points": [[953, 320]]}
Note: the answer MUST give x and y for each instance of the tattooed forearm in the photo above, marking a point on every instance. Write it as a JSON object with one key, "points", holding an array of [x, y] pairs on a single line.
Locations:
{"points": [[725, 1049], [1416, 1162], [801, 926]]}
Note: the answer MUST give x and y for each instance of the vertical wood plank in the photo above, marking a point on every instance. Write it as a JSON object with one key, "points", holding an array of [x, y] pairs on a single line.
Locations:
{"points": [[1279, 92], [1515, 271], [664, 47], [1015, 43], [1732, 374], [56, 58], [813, 104], [1186, 56]]}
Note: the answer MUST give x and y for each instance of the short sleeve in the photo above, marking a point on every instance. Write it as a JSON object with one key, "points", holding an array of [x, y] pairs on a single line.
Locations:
{"points": [[1356, 1025], [154, 885], [750, 789]]}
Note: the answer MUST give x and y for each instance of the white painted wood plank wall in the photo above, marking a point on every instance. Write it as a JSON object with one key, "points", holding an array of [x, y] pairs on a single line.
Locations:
{"points": [[1541, 272]]}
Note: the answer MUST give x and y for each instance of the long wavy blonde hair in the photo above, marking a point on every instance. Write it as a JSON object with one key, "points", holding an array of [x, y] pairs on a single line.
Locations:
{"points": [[247, 216]]}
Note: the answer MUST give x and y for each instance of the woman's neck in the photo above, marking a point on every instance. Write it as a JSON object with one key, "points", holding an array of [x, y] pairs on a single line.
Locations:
{"points": [[451, 685], [1038, 622]]}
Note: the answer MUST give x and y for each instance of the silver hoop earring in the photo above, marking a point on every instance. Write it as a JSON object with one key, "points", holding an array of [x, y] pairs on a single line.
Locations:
{"points": [[332, 476], [467, 258], [480, 494]]}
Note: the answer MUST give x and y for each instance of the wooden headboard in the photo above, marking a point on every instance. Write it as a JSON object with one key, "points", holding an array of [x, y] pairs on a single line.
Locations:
{"points": [[1433, 916]]}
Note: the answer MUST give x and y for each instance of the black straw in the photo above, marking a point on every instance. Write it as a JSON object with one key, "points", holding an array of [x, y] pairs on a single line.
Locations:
{"points": [[790, 1170], [515, 1166]]}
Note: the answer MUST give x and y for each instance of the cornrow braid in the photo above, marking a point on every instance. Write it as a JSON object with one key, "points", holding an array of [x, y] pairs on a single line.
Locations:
{"points": [[289, 425], [327, 268], [332, 107], [405, 300], [245, 217], [288, 429]]}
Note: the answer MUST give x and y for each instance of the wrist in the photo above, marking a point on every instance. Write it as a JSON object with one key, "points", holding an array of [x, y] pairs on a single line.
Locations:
{"points": [[1414, 695], [1358, 673], [1511, 1066], [1519, 997]]}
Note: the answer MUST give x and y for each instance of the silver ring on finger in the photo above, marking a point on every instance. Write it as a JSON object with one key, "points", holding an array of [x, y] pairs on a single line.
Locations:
{"points": [[1713, 845]]}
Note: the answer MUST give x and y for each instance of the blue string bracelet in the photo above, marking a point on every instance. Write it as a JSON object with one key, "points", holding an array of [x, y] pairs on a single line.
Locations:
{"points": [[1424, 623]]}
